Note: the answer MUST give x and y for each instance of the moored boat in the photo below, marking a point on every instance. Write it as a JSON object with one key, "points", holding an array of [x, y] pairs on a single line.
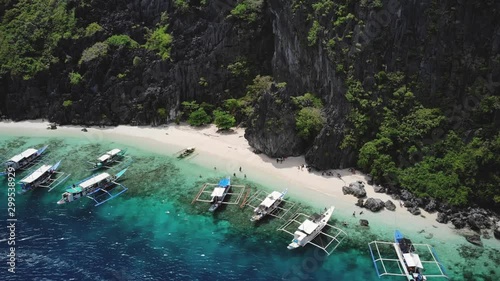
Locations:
{"points": [[23, 160], [186, 152], [39, 177], [219, 193], [90, 186], [108, 158], [410, 261], [268, 205], [310, 228]]}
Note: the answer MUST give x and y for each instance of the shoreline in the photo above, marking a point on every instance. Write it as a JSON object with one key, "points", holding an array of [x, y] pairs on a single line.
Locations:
{"points": [[230, 151]]}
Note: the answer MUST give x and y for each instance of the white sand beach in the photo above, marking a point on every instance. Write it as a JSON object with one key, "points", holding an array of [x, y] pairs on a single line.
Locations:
{"points": [[230, 151]]}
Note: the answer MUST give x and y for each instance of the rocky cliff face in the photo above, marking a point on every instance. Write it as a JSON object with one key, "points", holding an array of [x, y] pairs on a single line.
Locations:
{"points": [[117, 91]]}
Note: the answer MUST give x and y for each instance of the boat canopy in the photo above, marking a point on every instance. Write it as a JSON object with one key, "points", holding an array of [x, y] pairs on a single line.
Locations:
{"points": [[412, 260], [36, 174], [218, 191], [104, 157], [225, 182], [23, 155], [113, 152], [271, 198], [94, 180], [308, 226]]}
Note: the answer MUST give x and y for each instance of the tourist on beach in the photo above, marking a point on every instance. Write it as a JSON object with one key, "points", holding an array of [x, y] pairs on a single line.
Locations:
{"points": [[245, 176], [234, 174], [354, 214], [361, 213], [240, 169], [215, 168]]}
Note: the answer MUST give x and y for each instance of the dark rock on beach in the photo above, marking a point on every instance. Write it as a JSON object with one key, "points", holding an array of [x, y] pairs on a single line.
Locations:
{"points": [[389, 205], [378, 188], [442, 218], [414, 211], [496, 233], [374, 204], [474, 239], [431, 206], [360, 203], [363, 222], [356, 188], [477, 221], [458, 223]]}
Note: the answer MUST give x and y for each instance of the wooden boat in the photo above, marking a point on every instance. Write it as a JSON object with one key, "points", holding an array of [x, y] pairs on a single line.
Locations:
{"points": [[219, 193], [186, 152], [23, 160], [39, 177], [310, 228], [94, 188], [268, 205], [408, 256], [109, 158]]}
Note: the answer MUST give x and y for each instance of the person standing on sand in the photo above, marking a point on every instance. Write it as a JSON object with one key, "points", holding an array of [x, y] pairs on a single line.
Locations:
{"points": [[354, 214], [240, 169]]}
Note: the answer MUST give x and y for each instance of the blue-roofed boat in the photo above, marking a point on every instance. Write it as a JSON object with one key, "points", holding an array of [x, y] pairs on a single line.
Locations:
{"points": [[94, 187], [22, 160], [39, 177], [220, 193]]}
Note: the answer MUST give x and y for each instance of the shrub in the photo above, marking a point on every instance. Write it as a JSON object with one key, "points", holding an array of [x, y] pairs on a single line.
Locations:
{"points": [[30, 32], [198, 118], [239, 68], [137, 61], [223, 120], [309, 121], [67, 103], [121, 75], [160, 41], [162, 112], [92, 29], [75, 78], [259, 86], [312, 37], [203, 82], [122, 41], [99, 49], [182, 5], [307, 100], [248, 10]]}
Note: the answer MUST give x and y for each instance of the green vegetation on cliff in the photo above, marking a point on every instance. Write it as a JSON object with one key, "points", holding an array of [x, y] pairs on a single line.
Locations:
{"points": [[29, 34], [160, 41]]}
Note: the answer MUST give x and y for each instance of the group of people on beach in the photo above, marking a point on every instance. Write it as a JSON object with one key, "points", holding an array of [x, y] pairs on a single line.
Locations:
{"points": [[280, 160]]}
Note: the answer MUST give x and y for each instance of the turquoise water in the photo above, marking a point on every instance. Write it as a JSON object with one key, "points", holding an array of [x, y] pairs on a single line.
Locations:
{"points": [[153, 232]]}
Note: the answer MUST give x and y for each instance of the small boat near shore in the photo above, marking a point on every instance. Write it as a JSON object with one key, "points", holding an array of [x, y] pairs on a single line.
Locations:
{"points": [[409, 258], [186, 152], [23, 160], [219, 193], [268, 205], [39, 177], [94, 187], [310, 228], [109, 158]]}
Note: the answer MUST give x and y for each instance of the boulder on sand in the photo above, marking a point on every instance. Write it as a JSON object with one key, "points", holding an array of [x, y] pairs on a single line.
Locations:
{"points": [[360, 203], [363, 222], [356, 188], [474, 239], [442, 218], [389, 205], [374, 204]]}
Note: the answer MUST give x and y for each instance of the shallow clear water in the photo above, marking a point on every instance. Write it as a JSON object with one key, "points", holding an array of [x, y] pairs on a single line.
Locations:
{"points": [[153, 232]]}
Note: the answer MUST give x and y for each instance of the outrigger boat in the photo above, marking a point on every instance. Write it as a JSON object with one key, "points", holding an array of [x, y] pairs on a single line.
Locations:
{"points": [[270, 203], [43, 177], [24, 160], [410, 264], [108, 158], [219, 193], [92, 187], [186, 152], [310, 228]]}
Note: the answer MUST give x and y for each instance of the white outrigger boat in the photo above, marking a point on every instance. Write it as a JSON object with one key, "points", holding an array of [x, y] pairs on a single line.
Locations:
{"points": [[410, 264], [92, 187], [310, 228], [108, 158], [268, 205], [23, 160], [43, 177], [219, 193]]}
